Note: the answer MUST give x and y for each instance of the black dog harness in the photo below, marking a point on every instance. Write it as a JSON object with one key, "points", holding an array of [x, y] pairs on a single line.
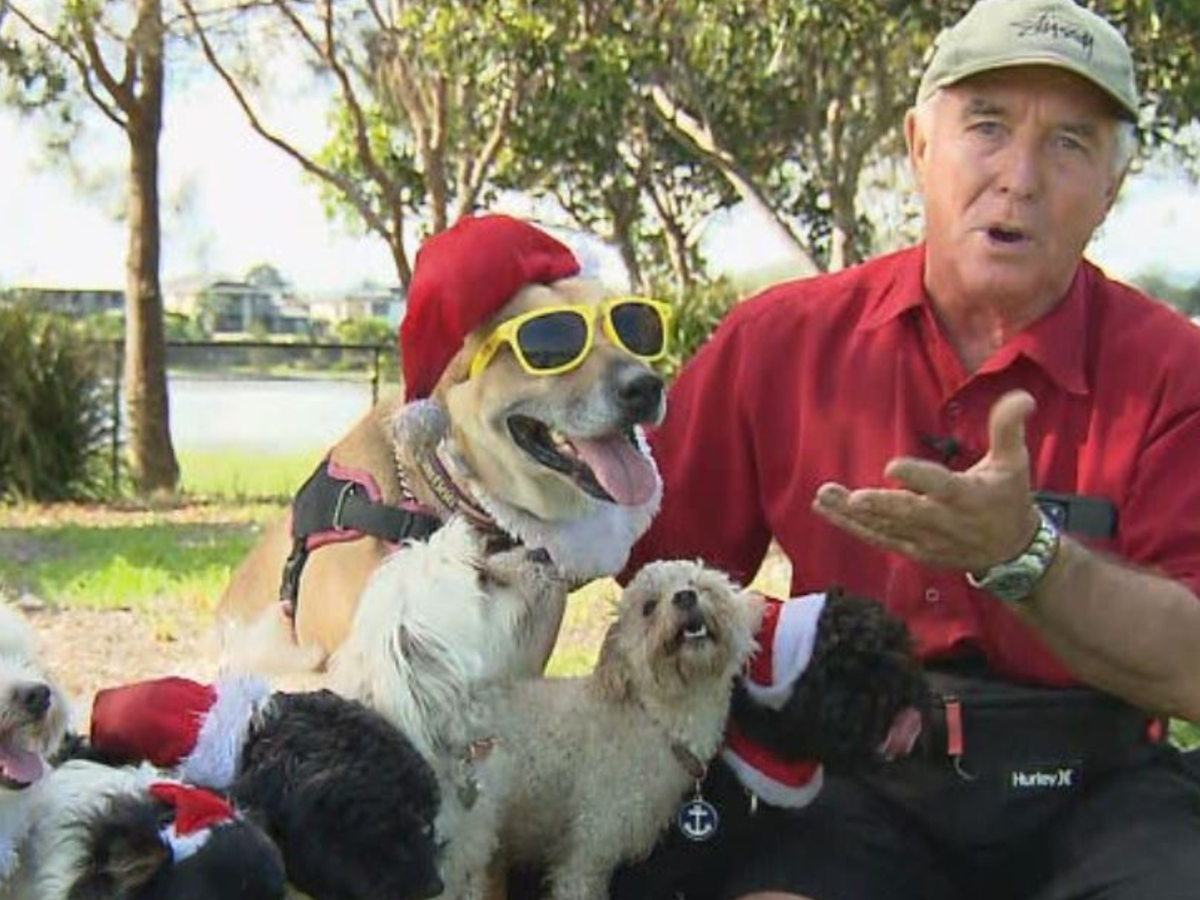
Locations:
{"points": [[339, 504]]}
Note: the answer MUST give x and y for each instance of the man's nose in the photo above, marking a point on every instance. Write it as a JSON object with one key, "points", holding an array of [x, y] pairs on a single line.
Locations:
{"points": [[1020, 173]]}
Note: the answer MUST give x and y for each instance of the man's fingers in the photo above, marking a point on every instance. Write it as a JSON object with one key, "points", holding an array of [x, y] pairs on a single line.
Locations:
{"points": [[855, 526], [1006, 426], [922, 476]]}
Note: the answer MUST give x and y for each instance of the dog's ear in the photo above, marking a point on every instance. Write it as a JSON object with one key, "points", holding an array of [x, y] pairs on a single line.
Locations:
{"points": [[124, 851], [612, 676], [419, 426]]}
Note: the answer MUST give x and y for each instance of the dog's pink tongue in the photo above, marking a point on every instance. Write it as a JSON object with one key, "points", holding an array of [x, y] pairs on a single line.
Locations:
{"points": [[21, 766], [619, 467], [903, 734]]}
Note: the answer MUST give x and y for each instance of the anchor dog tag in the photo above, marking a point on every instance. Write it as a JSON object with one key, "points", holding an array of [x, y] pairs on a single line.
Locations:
{"points": [[468, 791], [697, 819]]}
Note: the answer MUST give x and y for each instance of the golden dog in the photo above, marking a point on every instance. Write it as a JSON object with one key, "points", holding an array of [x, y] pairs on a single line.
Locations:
{"points": [[556, 462]]}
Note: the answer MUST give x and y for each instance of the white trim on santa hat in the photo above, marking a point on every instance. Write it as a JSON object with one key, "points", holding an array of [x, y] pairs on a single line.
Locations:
{"points": [[213, 761], [771, 791], [183, 845], [787, 637]]}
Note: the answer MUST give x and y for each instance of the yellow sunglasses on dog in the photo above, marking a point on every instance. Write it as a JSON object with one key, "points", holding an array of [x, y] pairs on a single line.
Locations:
{"points": [[557, 339]]}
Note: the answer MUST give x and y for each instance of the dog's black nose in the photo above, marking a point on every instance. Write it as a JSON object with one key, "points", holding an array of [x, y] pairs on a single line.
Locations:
{"points": [[640, 397], [33, 698], [432, 888], [685, 599]]}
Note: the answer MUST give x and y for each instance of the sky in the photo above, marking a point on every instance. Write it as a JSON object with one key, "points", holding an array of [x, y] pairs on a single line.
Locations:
{"points": [[232, 201]]}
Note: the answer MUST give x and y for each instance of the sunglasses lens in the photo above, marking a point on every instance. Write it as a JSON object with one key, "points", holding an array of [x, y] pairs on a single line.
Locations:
{"points": [[552, 340], [640, 328]]}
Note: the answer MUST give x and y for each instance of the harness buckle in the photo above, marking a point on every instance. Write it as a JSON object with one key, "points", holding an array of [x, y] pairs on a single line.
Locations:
{"points": [[339, 506]]}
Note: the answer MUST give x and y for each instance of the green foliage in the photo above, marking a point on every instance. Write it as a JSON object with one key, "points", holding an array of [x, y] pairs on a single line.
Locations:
{"points": [[695, 313], [1185, 734], [54, 407], [368, 330], [1184, 299]]}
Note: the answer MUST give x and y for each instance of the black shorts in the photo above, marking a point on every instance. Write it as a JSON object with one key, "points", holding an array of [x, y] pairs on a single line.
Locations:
{"points": [[1133, 835]]}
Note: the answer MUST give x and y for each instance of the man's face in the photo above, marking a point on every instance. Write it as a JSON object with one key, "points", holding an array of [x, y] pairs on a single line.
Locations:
{"points": [[1015, 168]]}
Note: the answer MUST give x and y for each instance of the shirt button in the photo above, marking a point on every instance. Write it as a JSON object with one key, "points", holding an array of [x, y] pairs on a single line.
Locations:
{"points": [[932, 595]]}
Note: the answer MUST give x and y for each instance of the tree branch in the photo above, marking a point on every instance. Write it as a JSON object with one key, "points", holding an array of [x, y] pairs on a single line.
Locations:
{"points": [[79, 62], [700, 136], [343, 184]]}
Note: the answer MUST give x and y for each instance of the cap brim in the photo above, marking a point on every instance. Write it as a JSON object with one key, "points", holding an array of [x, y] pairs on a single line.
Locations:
{"points": [[1125, 110]]}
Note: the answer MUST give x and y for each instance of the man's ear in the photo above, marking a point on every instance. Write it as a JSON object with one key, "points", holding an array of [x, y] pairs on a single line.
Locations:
{"points": [[917, 143]]}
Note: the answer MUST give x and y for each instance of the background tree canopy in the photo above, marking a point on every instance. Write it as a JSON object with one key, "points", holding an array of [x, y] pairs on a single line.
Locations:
{"points": [[633, 119]]}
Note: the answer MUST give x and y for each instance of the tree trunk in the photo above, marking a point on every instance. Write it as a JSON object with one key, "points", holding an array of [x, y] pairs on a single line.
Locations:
{"points": [[677, 250], [844, 247], [622, 209], [153, 465]]}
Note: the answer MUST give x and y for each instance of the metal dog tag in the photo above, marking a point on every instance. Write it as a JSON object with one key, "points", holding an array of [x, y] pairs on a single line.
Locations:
{"points": [[468, 791], [697, 819]]}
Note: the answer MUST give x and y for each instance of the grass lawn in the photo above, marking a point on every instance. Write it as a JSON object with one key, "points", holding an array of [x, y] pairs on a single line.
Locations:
{"points": [[240, 475], [104, 558]]}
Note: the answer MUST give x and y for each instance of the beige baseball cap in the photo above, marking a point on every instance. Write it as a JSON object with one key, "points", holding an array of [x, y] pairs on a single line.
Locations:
{"points": [[998, 34]]}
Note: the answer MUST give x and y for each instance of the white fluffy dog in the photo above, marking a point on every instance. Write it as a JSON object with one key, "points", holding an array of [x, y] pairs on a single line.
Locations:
{"points": [[440, 618], [33, 720], [594, 768], [437, 621]]}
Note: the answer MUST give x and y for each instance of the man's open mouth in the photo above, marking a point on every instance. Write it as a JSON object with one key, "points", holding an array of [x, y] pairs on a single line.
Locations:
{"points": [[610, 468], [1003, 235]]}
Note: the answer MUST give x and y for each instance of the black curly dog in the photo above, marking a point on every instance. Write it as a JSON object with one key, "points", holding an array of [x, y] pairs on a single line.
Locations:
{"points": [[125, 858], [346, 797], [349, 800], [862, 674]]}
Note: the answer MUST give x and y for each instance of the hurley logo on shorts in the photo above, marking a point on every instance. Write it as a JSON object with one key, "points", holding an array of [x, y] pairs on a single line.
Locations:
{"points": [[1046, 24], [1050, 777]]}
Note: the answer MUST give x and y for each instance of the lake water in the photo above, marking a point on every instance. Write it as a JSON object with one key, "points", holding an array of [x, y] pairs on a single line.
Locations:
{"points": [[271, 415]]}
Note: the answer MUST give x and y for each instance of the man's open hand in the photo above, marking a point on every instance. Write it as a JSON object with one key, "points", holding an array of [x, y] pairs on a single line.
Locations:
{"points": [[960, 520]]}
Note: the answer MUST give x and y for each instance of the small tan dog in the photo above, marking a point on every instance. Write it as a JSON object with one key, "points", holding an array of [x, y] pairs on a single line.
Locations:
{"points": [[590, 770], [543, 384]]}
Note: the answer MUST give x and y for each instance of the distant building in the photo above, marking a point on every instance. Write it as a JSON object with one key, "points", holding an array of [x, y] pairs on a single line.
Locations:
{"points": [[363, 303], [68, 301], [228, 307]]}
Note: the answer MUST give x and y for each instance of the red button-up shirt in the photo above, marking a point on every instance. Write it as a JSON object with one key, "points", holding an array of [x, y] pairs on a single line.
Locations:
{"points": [[829, 378]]}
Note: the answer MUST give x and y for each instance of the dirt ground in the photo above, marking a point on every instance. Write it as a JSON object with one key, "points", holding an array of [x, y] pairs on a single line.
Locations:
{"points": [[89, 649]]}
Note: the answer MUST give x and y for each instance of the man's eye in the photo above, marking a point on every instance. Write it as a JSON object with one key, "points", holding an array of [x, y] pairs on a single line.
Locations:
{"points": [[1066, 142], [987, 128]]}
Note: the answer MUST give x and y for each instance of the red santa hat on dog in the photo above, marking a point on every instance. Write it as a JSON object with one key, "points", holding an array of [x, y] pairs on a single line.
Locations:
{"points": [[462, 276], [176, 723], [785, 639]]}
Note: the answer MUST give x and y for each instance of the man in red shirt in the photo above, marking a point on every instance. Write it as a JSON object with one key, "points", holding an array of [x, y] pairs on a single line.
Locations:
{"points": [[889, 426]]}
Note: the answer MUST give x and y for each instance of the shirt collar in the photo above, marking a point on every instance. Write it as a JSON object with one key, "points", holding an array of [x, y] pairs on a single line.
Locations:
{"points": [[904, 291], [1056, 342]]}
